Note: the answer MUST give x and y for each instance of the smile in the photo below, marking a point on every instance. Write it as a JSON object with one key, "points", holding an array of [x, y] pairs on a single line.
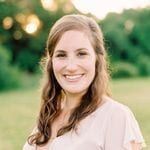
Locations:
{"points": [[73, 77]]}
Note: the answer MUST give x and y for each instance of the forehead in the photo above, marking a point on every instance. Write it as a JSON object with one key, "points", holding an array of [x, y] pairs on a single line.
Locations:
{"points": [[74, 39]]}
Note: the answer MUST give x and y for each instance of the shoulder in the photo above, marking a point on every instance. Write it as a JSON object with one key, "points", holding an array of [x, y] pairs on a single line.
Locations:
{"points": [[116, 125], [113, 112], [27, 146], [121, 111], [124, 124], [118, 107], [112, 107]]}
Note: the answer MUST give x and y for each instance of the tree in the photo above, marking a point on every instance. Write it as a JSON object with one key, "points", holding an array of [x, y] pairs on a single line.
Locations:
{"points": [[127, 36]]}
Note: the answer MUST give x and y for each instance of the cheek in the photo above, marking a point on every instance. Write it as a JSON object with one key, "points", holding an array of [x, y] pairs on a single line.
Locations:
{"points": [[90, 64], [56, 66]]}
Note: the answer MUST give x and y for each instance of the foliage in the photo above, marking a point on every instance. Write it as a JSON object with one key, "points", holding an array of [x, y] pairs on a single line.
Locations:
{"points": [[9, 76], [27, 49], [128, 35], [124, 69], [144, 65]]}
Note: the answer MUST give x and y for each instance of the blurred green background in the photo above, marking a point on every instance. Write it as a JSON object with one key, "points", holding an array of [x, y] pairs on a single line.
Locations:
{"points": [[24, 27]]}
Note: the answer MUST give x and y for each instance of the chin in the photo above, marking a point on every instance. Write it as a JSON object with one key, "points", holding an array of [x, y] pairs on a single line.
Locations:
{"points": [[75, 91]]}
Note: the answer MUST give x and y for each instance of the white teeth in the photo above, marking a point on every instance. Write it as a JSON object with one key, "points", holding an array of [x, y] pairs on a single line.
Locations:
{"points": [[71, 77]]}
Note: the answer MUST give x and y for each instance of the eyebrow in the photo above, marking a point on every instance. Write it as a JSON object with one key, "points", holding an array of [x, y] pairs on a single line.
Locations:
{"points": [[62, 51]]}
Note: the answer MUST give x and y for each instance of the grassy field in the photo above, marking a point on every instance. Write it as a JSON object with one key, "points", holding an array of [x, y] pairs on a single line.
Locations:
{"points": [[18, 110]]}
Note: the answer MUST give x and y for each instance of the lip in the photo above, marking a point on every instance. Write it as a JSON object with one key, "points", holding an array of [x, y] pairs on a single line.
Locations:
{"points": [[73, 78]]}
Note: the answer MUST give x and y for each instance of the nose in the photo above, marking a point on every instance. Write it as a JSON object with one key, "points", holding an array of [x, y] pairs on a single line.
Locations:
{"points": [[71, 65]]}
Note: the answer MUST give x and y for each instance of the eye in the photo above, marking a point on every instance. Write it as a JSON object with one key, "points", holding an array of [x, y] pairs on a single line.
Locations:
{"points": [[61, 55], [82, 53]]}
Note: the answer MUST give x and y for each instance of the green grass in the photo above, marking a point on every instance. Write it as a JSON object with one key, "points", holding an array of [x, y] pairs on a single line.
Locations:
{"points": [[19, 108]]}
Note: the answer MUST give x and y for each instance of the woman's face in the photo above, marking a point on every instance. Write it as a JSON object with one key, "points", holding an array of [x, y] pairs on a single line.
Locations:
{"points": [[74, 62]]}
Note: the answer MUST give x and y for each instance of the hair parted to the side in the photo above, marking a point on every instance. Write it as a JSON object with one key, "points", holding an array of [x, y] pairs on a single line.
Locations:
{"points": [[52, 92]]}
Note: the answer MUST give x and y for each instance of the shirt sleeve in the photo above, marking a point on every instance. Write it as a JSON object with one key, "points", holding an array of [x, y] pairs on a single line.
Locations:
{"points": [[27, 146], [122, 129]]}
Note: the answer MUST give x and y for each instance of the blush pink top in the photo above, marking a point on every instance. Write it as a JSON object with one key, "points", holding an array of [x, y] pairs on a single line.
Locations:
{"points": [[111, 127]]}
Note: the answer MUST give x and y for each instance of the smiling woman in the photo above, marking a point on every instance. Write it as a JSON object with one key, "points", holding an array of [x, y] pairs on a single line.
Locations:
{"points": [[77, 111], [74, 68]]}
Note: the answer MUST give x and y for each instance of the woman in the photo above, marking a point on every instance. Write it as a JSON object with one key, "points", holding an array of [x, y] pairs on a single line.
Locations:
{"points": [[77, 112]]}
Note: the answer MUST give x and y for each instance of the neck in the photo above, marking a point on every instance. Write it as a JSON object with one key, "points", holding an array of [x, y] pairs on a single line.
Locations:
{"points": [[71, 101]]}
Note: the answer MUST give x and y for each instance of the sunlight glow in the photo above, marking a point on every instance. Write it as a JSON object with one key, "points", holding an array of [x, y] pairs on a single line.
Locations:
{"points": [[31, 28], [49, 5], [21, 18], [32, 24], [7, 23], [100, 8]]}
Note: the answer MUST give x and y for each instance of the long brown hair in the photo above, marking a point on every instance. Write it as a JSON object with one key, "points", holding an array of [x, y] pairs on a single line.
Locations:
{"points": [[52, 91]]}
